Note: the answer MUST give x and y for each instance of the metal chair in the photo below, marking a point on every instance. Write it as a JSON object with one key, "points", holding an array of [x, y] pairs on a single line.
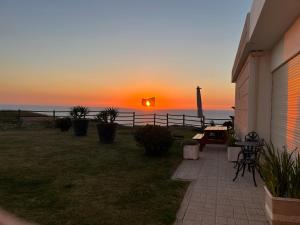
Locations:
{"points": [[251, 154], [252, 137]]}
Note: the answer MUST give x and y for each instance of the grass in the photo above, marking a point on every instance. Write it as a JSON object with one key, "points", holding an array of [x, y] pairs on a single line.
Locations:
{"points": [[50, 177]]}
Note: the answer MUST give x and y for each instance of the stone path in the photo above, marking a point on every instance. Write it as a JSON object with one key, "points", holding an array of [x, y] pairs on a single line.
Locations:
{"points": [[213, 198]]}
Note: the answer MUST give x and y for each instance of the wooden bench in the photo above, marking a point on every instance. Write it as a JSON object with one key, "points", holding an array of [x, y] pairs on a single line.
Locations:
{"points": [[200, 139]]}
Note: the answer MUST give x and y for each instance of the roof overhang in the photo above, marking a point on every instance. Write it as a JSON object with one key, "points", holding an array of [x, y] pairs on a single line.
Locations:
{"points": [[275, 18]]}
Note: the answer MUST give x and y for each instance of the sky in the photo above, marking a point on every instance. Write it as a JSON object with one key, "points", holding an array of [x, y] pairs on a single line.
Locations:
{"points": [[116, 52]]}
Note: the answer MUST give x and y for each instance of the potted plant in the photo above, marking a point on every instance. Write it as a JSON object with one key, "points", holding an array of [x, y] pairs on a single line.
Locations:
{"points": [[155, 140], [79, 122], [106, 125], [190, 149], [63, 124], [232, 150], [281, 173]]}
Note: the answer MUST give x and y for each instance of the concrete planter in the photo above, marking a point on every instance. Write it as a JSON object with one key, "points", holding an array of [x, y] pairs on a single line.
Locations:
{"points": [[282, 211], [191, 151], [232, 153]]}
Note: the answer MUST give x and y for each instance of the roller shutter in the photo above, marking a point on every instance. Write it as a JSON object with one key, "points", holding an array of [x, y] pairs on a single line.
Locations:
{"points": [[285, 123]]}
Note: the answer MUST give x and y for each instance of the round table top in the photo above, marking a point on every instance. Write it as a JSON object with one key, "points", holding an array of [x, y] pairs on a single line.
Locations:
{"points": [[248, 143]]}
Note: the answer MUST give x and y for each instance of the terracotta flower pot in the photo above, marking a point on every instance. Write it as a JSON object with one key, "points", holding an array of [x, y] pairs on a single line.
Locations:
{"points": [[282, 211]]}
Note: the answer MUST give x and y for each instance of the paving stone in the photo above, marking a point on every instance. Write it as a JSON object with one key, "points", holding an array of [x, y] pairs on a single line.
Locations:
{"points": [[213, 198]]}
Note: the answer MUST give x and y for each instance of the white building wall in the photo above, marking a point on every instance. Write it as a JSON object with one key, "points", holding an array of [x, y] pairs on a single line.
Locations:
{"points": [[287, 47], [253, 100], [253, 97], [241, 101], [285, 69], [263, 95], [256, 9]]}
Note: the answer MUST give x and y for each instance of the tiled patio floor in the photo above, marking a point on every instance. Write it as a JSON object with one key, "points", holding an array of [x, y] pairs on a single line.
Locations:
{"points": [[213, 198]]}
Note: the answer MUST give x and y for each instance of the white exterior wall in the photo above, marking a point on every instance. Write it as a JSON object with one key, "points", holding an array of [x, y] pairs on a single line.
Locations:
{"points": [[287, 47], [263, 96], [285, 68], [253, 97], [241, 100], [256, 8], [255, 81]]}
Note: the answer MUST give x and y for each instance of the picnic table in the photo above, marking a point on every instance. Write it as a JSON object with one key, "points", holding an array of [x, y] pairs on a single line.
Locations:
{"points": [[212, 135]]}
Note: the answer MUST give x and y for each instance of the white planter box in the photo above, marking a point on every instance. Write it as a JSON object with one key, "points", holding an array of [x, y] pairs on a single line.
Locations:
{"points": [[191, 151], [232, 153], [282, 211]]}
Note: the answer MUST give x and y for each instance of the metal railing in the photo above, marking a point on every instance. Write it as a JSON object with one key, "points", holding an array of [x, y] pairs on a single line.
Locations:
{"points": [[125, 118]]}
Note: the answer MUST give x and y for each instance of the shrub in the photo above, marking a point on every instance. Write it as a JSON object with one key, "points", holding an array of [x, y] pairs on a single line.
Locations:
{"points": [[232, 138], [228, 124], [280, 172], [156, 140], [63, 124], [109, 115], [79, 112]]}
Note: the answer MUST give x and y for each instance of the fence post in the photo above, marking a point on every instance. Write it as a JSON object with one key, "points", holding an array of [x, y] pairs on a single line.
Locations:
{"points": [[133, 119], [154, 118], [183, 120], [19, 117], [167, 119], [54, 115]]}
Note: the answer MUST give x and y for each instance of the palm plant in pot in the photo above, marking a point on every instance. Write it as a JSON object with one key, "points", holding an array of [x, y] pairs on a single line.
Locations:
{"points": [[106, 125], [80, 123], [281, 173]]}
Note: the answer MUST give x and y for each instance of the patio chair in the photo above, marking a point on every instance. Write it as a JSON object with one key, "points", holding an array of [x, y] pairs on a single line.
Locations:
{"points": [[251, 154], [252, 137]]}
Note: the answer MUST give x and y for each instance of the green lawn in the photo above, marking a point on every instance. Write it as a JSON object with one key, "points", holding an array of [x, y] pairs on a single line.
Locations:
{"points": [[50, 177]]}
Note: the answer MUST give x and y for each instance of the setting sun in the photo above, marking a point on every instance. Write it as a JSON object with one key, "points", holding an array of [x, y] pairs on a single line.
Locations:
{"points": [[148, 102]]}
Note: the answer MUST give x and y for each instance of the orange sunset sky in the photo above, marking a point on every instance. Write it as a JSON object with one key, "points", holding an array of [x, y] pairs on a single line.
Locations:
{"points": [[115, 53]]}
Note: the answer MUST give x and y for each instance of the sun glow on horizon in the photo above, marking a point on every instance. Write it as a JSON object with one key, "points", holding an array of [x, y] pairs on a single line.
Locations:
{"points": [[112, 55]]}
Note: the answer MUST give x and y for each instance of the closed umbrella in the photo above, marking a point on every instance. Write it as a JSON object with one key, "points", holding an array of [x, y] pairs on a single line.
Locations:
{"points": [[199, 103]]}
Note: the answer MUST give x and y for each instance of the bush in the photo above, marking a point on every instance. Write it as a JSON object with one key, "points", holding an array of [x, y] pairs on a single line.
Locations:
{"points": [[228, 124], [63, 124], [232, 138], [156, 140], [280, 172], [109, 115], [79, 112]]}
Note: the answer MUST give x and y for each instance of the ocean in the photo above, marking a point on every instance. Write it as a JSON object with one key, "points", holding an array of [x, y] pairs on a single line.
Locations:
{"points": [[208, 113]]}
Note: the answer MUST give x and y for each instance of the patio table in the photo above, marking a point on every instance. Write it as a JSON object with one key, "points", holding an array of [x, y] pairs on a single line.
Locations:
{"points": [[248, 143], [215, 135], [212, 135]]}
